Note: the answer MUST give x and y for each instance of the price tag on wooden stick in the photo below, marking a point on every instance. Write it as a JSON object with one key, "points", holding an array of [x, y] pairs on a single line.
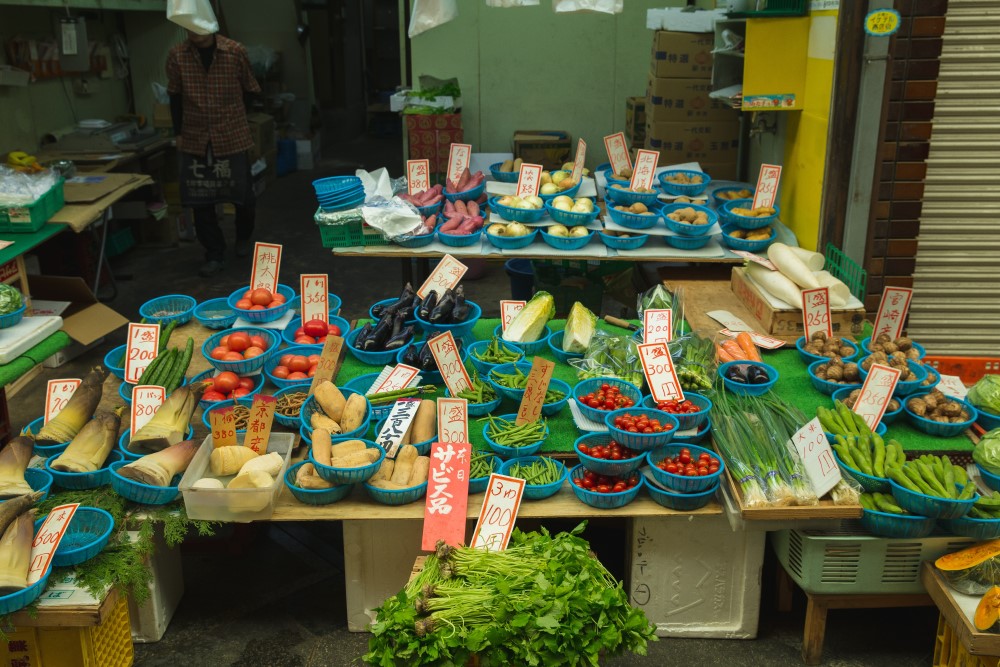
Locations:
{"points": [[578, 162], [508, 311], [817, 458], [398, 378], [329, 362], [266, 265], [223, 423], [529, 180], [57, 395], [459, 156], [418, 176], [146, 400], [534, 390], [658, 367], [453, 419], [445, 275], [767, 185], [645, 170], [47, 539], [259, 423], [315, 297], [143, 346], [449, 362], [657, 325], [397, 424], [498, 513], [816, 312], [876, 393], [447, 494], [892, 311], [618, 155]]}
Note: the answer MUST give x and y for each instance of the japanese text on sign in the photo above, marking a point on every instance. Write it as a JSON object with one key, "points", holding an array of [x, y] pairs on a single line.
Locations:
{"points": [[447, 494], [578, 162], [315, 297], [658, 367], [446, 274], [47, 539], [875, 393], [146, 400], [418, 177], [618, 155], [814, 449], [458, 160], [766, 263], [882, 22], [508, 311], [453, 419], [398, 378], [223, 424], [767, 185], [892, 310], [329, 362], [816, 312], [266, 265], [396, 425], [657, 325], [645, 170], [449, 362], [57, 395], [529, 180], [143, 345], [259, 423], [759, 340], [498, 513], [951, 385], [534, 390]]}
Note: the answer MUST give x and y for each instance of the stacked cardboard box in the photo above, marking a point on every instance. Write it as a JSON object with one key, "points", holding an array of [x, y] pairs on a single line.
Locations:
{"points": [[682, 122], [635, 121]]}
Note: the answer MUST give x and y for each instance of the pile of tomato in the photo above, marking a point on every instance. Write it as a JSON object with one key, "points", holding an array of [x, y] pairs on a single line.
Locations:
{"points": [[296, 366], [591, 481], [260, 299], [686, 465], [238, 346], [608, 397], [640, 424], [676, 407], [227, 385], [612, 451], [314, 332]]}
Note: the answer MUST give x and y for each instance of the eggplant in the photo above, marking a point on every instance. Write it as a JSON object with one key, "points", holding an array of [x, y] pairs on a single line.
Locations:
{"points": [[400, 339], [408, 311], [412, 356], [738, 373], [757, 375], [427, 305], [378, 309], [427, 362], [405, 299], [379, 336], [363, 333], [461, 309], [397, 323], [442, 311]]}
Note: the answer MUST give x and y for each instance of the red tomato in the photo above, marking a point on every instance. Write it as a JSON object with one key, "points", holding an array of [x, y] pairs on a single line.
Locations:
{"points": [[226, 381], [312, 371], [298, 364], [247, 383], [315, 328], [240, 391], [224, 341], [333, 330], [252, 352], [239, 341], [299, 332], [279, 297], [280, 372], [313, 359], [297, 375], [285, 358], [248, 294], [232, 356], [258, 341], [244, 304], [212, 395], [219, 352], [274, 304], [261, 297], [305, 340]]}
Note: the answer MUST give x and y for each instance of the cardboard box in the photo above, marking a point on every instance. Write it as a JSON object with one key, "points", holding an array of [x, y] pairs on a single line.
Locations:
{"points": [[549, 148], [431, 136], [162, 117], [708, 141], [681, 20], [86, 320], [635, 121], [684, 55], [678, 99], [262, 129]]}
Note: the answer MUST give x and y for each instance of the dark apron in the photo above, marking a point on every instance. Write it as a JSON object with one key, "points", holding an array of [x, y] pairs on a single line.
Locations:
{"points": [[210, 179]]}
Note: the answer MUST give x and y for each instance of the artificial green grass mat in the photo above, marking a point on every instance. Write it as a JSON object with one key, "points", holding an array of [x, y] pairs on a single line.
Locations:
{"points": [[34, 356]]}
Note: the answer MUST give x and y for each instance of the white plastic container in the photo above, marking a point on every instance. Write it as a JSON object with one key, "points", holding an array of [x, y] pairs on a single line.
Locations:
{"points": [[235, 505]]}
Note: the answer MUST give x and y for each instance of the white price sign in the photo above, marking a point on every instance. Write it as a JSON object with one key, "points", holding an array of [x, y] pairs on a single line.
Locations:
{"points": [[146, 400], [816, 312], [315, 297], [47, 539], [508, 311], [658, 367], [57, 395], [499, 512], [645, 169], [396, 425], [453, 420], [143, 345], [618, 155], [657, 325], [876, 393], [529, 180], [449, 362], [814, 449], [446, 274], [892, 310], [581, 158], [767, 185]]}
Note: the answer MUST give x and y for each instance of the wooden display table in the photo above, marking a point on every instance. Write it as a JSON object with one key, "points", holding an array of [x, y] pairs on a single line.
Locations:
{"points": [[956, 611]]}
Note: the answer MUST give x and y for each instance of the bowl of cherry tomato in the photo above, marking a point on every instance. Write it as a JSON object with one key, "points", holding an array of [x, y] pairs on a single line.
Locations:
{"points": [[603, 491], [225, 386], [292, 365], [690, 412], [600, 453], [685, 468], [598, 396], [314, 332], [641, 429]]}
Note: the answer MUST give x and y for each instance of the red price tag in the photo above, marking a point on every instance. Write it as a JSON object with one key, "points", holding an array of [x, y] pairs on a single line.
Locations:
{"points": [[143, 346], [657, 325], [46, 541], [266, 264], [498, 513], [529, 180], [618, 155], [508, 311], [767, 185], [399, 378], [449, 362], [259, 424], [658, 367], [57, 395], [447, 494], [146, 400], [315, 297], [766, 263], [876, 393], [578, 162], [453, 419], [645, 169], [459, 156], [418, 177], [534, 390], [445, 275], [892, 310], [223, 423], [816, 312], [817, 458]]}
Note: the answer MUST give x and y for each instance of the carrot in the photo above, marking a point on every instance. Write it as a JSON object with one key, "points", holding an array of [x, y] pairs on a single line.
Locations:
{"points": [[746, 343], [734, 350], [722, 355]]}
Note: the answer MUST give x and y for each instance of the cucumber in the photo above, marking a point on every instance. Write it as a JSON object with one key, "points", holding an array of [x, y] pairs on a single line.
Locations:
{"points": [[149, 370], [165, 334], [182, 365], [168, 359]]}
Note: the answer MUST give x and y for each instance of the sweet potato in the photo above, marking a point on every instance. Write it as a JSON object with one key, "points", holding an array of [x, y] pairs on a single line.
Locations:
{"points": [[461, 207], [451, 225], [473, 208]]}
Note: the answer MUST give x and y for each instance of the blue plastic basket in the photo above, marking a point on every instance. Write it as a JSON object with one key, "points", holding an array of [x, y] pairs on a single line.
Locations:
{"points": [[21, 599], [903, 388], [481, 409], [430, 209], [869, 483], [683, 189], [45, 451], [536, 491], [79, 481], [86, 536], [513, 242], [310, 406], [387, 302], [633, 220], [287, 422], [887, 418], [484, 367], [991, 480], [272, 363], [585, 387], [396, 496], [314, 496], [341, 199], [348, 475], [619, 468], [267, 314], [567, 242], [507, 392], [906, 526], [503, 176], [215, 314], [39, 480], [245, 366], [624, 243], [112, 357], [219, 405], [179, 306], [746, 222], [479, 484], [553, 408], [369, 358], [513, 452], [466, 195], [719, 201], [809, 358], [749, 389], [144, 494], [687, 242], [569, 217], [681, 502], [343, 205], [418, 241], [555, 342], [687, 420], [602, 501], [683, 483], [977, 529], [987, 420], [920, 348], [939, 429], [288, 333], [734, 243], [10, 319], [533, 347], [683, 228], [611, 180], [641, 442], [694, 438], [825, 386], [331, 185], [459, 240], [931, 506], [258, 384], [626, 197], [933, 379], [459, 329], [516, 214], [128, 456]]}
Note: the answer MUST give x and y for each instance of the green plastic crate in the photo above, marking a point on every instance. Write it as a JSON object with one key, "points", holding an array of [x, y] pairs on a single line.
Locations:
{"points": [[30, 218], [847, 271], [766, 9], [349, 235], [851, 561], [119, 242]]}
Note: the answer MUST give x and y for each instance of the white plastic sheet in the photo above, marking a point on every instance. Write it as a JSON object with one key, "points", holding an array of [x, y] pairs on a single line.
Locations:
{"points": [[512, 3], [194, 15], [429, 14], [600, 6]]}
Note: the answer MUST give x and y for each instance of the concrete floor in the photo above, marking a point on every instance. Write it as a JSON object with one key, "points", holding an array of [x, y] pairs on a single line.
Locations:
{"points": [[273, 595]]}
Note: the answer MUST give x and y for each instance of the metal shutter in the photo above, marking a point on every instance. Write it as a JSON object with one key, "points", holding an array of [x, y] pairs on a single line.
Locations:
{"points": [[956, 302]]}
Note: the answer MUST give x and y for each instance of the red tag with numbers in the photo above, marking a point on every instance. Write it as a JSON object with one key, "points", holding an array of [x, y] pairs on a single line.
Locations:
{"points": [[816, 312], [447, 494], [529, 180], [892, 310], [499, 512], [445, 275], [581, 158], [143, 346], [459, 156], [645, 170], [315, 297], [418, 178], [146, 400], [223, 423], [449, 362], [658, 367], [618, 155], [766, 263], [57, 395], [266, 265], [453, 419], [876, 393], [767, 185], [657, 325], [508, 311], [817, 458]]}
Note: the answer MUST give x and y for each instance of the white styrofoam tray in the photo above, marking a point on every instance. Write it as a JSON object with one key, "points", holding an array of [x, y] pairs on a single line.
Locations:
{"points": [[29, 332]]}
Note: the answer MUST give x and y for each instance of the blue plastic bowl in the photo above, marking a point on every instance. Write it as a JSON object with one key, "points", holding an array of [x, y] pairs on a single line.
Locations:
{"points": [[683, 189], [567, 242], [287, 422], [47, 450], [569, 192], [215, 314], [396, 496], [688, 420], [180, 306], [611, 180], [627, 198], [86, 536], [633, 220], [507, 392], [602, 501], [624, 243], [348, 475], [244, 366], [481, 409], [536, 491], [513, 452], [825, 386], [79, 481], [459, 240], [466, 195], [907, 526], [553, 408], [920, 348], [342, 196], [694, 438], [987, 420], [991, 480], [749, 389], [430, 209], [555, 342], [385, 302], [272, 363], [39, 480], [10, 319], [934, 377], [144, 494], [267, 314], [258, 380], [938, 429], [461, 329], [484, 367], [977, 529], [219, 405], [931, 506], [479, 484], [534, 347], [423, 448], [619, 468], [569, 217], [734, 243], [314, 496], [585, 387], [887, 418], [369, 358], [21, 599], [516, 214], [332, 185], [345, 204], [288, 333], [681, 502], [719, 201], [904, 388], [513, 242], [503, 176], [869, 483], [744, 221], [683, 483], [310, 407], [687, 242], [128, 457], [641, 442], [418, 241], [808, 357], [683, 228], [112, 357], [879, 430]]}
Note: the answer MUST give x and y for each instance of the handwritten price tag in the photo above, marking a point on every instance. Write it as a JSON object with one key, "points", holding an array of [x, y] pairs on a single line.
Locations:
{"points": [[315, 297], [645, 169], [445, 275], [399, 378], [57, 395], [508, 311], [498, 513], [453, 419], [892, 310], [816, 312], [329, 362], [47, 539], [259, 425], [766, 263], [657, 325], [143, 345], [760, 340], [529, 180], [728, 320], [418, 177], [875, 393], [146, 400], [817, 457], [951, 385], [397, 424], [658, 367], [449, 362], [534, 391], [578, 162], [618, 156], [459, 156], [767, 185], [223, 423], [266, 265], [447, 494]]}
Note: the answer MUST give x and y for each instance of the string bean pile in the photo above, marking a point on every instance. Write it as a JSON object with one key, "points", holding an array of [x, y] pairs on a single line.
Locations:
{"points": [[542, 471], [518, 380], [481, 464], [510, 434], [497, 353], [481, 392]]}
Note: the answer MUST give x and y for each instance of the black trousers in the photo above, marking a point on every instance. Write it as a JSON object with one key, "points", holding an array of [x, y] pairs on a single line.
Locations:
{"points": [[206, 225]]}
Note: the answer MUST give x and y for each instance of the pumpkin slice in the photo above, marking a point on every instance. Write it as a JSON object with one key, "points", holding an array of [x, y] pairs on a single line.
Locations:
{"points": [[969, 557], [988, 611]]}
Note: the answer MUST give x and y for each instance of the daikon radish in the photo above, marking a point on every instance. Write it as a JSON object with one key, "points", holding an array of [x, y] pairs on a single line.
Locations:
{"points": [[776, 284], [813, 260], [840, 294], [791, 266]]}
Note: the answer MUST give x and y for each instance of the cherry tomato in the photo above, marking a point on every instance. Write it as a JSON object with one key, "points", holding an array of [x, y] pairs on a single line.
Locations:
{"points": [[252, 352], [280, 372], [232, 356], [212, 395], [244, 304], [219, 352], [247, 383], [298, 364]]}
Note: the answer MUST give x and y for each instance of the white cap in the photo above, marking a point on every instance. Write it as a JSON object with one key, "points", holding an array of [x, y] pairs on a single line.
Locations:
{"points": [[194, 15]]}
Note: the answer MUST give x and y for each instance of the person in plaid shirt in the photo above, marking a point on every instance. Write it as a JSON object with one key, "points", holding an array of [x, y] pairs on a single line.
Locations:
{"points": [[209, 78]]}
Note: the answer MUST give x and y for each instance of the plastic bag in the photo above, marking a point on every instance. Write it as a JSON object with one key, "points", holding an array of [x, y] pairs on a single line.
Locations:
{"points": [[610, 356], [429, 14], [512, 3], [395, 218], [20, 189], [601, 6], [659, 297], [695, 360], [194, 15]]}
